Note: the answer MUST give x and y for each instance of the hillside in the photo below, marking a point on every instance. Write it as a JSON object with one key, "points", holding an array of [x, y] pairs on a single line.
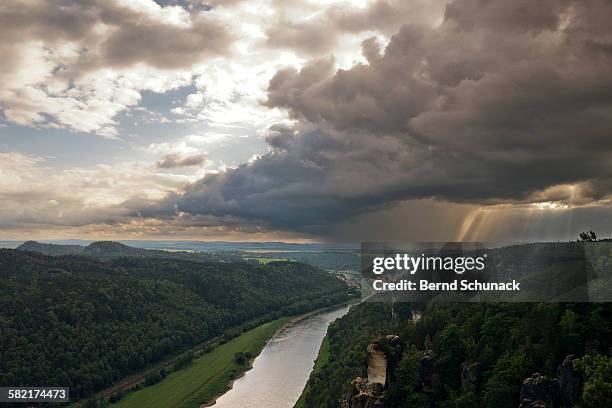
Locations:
{"points": [[495, 355], [105, 250], [469, 355], [85, 323], [51, 249]]}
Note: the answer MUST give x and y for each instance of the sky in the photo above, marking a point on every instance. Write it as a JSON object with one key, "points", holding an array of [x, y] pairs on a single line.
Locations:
{"points": [[313, 120]]}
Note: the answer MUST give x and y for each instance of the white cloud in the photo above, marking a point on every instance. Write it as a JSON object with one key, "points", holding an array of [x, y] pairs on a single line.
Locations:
{"points": [[78, 67], [32, 191], [66, 76], [193, 145]]}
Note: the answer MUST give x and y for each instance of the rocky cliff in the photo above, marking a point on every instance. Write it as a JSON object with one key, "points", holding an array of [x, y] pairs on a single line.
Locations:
{"points": [[540, 391], [383, 355]]}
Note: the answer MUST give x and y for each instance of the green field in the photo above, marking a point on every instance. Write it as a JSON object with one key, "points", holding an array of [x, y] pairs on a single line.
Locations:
{"points": [[319, 362], [206, 378], [264, 261]]}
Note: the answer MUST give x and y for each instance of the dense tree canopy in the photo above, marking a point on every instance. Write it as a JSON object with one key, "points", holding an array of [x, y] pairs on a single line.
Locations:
{"points": [[85, 323], [507, 341]]}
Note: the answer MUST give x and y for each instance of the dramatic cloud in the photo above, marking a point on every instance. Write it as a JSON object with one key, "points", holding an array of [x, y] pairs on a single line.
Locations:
{"points": [[354, 114], [76, 65], [116, 32], [501, 102], [98, 203], [315, 30], [171, 161], [33, 195]]}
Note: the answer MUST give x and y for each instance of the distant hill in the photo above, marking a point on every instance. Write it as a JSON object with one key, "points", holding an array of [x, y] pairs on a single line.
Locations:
{"points": [[312, 254], [211, 246], [51, 249], [242, 246], [110, 249], [95, 249]]}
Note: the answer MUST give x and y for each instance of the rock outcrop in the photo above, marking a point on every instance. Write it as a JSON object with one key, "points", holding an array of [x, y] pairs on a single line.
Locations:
{"points": [[570, 382], [416, 314], [539, 391], [377, 365], [427, 369], [363, 394], [470, 377], [384, 353]]}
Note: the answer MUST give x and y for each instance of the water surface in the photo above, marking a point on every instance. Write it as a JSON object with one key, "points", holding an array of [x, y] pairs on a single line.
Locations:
{"points": [[282, 369]]}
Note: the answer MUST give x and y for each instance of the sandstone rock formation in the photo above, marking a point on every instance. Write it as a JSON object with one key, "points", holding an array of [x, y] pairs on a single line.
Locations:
{"points": [[377, 365], [539, 391], [363, 394], [384, 353], [427, 370], [470, 377], [570, 382]]}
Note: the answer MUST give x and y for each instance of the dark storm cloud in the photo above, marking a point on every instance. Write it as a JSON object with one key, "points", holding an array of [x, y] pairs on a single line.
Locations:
{"points": [[319, 35], [171, 161], [309, 38], [112, 34], [164, 45], [272, 188], [518, 15], [500, 103], [379, 15], [280, 137]]}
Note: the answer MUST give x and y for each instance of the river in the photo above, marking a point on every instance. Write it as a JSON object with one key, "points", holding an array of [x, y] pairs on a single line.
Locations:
{"points": [[281, 371]]}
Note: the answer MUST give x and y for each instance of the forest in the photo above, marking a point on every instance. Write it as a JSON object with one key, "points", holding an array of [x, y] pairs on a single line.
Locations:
{"points": [[105, 250], [85, 323], [329, 260], [479, 354]]}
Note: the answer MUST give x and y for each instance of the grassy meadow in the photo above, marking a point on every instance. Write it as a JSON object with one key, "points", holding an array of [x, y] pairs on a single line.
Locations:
{"points": [[206, 377]]}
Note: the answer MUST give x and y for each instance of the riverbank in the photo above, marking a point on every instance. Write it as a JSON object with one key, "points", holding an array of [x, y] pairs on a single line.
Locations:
{"points": [[135, 380], [322, 358], [319, 362], [212, 374], [281, 371], [207, 376], [290, 322]]}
